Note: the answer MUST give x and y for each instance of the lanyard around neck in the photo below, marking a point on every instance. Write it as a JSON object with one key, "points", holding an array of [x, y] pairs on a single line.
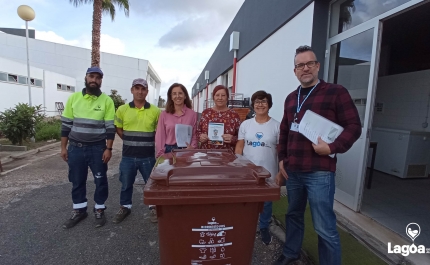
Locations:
{"points": [[299, 106]]}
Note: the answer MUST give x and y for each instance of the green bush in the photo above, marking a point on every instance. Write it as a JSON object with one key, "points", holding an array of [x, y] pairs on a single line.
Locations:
{"points": [[48, 129], [19, 123]]}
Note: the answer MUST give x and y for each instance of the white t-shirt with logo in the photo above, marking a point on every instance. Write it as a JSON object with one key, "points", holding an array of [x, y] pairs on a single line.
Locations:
{"points": [[260, 143]]}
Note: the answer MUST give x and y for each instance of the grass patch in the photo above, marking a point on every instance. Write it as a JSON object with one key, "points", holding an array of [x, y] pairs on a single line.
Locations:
{"points": [[353, 252], [48, 129]]}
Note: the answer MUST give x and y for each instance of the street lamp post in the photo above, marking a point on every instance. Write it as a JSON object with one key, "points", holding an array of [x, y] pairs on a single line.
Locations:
{"points": [[207, 86], [234, 46], [26, 13]]}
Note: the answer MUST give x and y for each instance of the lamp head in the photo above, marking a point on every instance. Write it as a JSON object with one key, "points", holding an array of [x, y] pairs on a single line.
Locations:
{"points": [[26, 13]]}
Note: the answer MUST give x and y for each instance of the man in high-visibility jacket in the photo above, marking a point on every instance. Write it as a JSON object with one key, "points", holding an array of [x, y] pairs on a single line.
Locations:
{"points": [[88, 126], [135, 124]]}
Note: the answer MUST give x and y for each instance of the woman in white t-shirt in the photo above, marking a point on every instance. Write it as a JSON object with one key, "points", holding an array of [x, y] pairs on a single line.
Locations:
{"points": [[258, 139]]}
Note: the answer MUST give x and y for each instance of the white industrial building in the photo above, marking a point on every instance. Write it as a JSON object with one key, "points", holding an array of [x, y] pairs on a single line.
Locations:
{"points": [[379, 51], [57, 70]]}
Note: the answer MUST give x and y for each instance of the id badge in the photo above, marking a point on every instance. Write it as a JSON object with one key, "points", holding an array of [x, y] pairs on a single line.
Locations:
{"points": [[294, 127]]}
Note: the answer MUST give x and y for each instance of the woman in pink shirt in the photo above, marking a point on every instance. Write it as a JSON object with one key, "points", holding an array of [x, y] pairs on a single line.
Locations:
{"points": [[178, 111]]}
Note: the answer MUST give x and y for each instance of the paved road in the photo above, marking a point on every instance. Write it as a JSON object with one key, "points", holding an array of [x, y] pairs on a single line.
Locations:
{"points": [[35, 201]]}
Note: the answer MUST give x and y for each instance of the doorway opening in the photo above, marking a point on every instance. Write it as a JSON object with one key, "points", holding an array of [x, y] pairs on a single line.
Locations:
{"points": [[399, 191]]}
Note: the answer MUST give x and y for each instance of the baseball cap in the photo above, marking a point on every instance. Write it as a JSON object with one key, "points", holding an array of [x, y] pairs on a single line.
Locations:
{"points": [[140, 81], [95, 69]]}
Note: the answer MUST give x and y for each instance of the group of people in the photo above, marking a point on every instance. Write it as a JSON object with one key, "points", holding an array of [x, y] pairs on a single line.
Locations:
{"points": [[89, 124]]}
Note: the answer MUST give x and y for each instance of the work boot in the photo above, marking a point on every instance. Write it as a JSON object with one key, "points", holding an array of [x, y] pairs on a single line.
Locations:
{"points": [[121, 214], [282, 260], [76, 217], [266, 237], [153, 215], [100, 217]]}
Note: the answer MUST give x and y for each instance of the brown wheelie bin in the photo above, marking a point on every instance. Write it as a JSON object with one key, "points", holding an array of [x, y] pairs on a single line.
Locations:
{"points": [[207, 203]]}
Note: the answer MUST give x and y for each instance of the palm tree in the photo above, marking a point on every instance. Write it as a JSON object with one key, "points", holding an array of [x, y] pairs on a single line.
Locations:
{"points": [[100, 7], [347, 9]]}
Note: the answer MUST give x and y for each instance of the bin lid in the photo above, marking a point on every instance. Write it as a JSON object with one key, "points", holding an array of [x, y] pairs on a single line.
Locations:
{"points": [[208, 176]]}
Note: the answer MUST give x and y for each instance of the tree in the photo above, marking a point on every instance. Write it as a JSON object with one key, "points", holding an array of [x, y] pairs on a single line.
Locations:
{"points": [[100, 7], [161, 102], [347, 9], [19, 123], [117, 99]]}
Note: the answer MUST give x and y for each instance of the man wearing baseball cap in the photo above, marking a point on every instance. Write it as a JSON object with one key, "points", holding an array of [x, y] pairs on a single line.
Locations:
{"points": [[135, 124], [88, 127]]}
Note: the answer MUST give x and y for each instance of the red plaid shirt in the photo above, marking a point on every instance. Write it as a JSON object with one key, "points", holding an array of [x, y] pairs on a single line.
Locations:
{"points": [[331, 101]]}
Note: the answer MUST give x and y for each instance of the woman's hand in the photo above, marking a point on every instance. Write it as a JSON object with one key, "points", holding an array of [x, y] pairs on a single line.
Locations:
{"points": [[227, 138], [203, 138], [188, 146]]}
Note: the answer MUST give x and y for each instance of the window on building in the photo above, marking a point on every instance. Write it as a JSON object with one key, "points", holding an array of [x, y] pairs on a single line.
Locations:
{"points": [[22, 80], [3, 76], [68, 88], [38, 82], [72, 88], [346, 14], [64, 87], [12, 78], [58, 86]]}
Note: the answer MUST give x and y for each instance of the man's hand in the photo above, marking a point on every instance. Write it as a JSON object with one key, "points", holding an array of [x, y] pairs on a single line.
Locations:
{"points": [[188, 146], [203, 138], [321, 148], [280, 179], [106, 156], [63, 154], [282, 170]]}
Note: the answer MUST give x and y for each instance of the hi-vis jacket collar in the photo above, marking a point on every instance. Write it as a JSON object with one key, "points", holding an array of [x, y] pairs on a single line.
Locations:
{"points": [[146, 106]]}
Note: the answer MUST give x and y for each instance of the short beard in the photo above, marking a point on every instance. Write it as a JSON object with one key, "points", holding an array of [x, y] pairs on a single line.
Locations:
{"points": [[307, 84], [92, 90]]}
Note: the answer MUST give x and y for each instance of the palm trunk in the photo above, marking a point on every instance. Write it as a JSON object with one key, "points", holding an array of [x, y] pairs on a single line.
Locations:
{"points": [[97, 24]]}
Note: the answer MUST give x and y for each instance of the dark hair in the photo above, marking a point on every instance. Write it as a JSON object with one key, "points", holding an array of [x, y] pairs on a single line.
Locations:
{"points": [[219, 87], [302, 49], [261, 94], [170, 106]]}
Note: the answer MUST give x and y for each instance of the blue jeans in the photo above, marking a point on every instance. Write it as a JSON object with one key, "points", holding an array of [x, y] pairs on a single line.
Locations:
{"points": [[266, 215], [79, 159], [317, 187], [127, 175]]}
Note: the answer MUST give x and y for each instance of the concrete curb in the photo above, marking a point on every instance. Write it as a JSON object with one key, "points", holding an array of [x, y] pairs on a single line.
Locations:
{"points": [[27, 153], [22, 166]]}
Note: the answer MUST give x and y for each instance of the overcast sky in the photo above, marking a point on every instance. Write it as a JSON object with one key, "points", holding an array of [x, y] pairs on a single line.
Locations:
{"points": [[176, 36]]}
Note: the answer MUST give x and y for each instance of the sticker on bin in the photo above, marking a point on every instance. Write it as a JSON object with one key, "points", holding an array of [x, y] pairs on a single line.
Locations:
{"points": [[212, 242]]}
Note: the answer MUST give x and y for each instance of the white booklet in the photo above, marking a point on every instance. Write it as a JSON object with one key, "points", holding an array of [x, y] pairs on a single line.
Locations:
{"points": [[314, 125], [183, 134], [215, 131]]}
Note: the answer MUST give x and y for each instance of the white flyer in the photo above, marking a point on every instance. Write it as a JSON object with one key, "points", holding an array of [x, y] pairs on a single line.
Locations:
{"points": [[314, 125], [183, 134], [215, 131]]}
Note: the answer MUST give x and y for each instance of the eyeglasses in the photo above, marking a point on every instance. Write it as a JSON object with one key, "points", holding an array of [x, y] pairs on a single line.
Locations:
{"points": [[309, 64], [260, 102]]}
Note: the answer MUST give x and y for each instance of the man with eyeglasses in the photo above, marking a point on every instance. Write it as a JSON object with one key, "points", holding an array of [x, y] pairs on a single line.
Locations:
{"points": [[308, 169]]}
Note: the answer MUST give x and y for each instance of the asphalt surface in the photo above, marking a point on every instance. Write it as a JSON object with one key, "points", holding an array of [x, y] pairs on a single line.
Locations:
{"points": [[35, 201]]}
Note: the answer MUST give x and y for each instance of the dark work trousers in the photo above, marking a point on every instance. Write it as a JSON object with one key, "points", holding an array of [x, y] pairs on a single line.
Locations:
{"points": [[80, 157]]}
